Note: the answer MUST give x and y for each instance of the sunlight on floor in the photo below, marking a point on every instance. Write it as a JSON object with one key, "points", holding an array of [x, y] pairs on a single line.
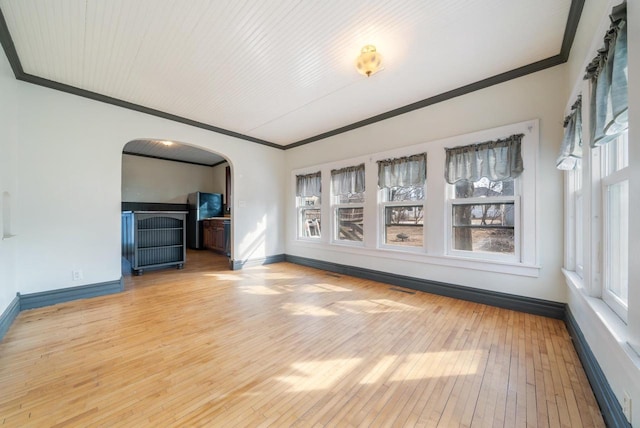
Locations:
{"points": [[438, 364], [317, 375], [304, 309], [226, 276], [376, 306]]}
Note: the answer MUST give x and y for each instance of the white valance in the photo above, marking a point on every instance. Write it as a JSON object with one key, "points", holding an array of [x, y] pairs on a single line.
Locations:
{"points": [[402, 172], [309, 185], [348, 180], [571, 147], [497, 160]]}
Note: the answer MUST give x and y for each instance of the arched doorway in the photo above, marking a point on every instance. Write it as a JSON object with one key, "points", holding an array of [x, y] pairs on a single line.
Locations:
{"points": [[163, 226]]}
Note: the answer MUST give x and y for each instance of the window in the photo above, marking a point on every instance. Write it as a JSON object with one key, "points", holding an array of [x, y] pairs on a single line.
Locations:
{"points": [[308, 193], [597, 215], [401, 182], [615, 229], [348, 194], [483, 208]]}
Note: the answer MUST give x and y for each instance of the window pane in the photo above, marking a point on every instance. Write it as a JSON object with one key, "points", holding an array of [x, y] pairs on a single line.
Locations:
{"points": [[484, 188], [400, 194], [310, 223], [617, 236], [351, 198], [579, 234], [617, 154], [484, 227], [404, 225], [308, 201], [350, 222]]}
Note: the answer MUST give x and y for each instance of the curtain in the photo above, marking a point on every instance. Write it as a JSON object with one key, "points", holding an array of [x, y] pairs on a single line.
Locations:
{"points": [[496, 160], [348, 180], [309, 185], [402, 172], [608, 103], [571, 147]]}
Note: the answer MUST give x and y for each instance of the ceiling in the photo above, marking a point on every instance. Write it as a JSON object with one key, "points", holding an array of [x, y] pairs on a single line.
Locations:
{"points": [[170, 150], [281, 72]]}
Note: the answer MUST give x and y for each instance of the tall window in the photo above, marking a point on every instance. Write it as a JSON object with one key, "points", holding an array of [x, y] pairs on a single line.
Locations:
{"points": [[608, 124], [401, 182], [615, 195], [483, 203], [308, 193], [347, 187]]}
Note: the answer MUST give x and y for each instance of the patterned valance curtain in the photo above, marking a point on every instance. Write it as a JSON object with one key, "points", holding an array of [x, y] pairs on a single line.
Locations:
{"points": [[348, 180], [607, 72], [496, 160], [309, 185], [402, 172], [571, 147]]}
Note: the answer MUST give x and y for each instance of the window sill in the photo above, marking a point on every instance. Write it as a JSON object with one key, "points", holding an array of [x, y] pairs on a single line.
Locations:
{"points": [[494, 266], [606, 316]]}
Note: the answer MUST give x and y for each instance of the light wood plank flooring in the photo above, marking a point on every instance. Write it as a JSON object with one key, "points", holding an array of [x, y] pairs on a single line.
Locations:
{"points": [[285, 345]]}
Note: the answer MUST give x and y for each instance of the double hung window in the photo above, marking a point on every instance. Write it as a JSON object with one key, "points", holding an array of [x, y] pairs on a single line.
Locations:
{"points": [[308, 194], [348, 194], [402, 193], [484, 207]]}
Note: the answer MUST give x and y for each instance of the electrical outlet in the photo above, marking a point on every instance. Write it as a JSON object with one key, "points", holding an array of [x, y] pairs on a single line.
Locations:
{"points": [[76, 275], [626, 406]]}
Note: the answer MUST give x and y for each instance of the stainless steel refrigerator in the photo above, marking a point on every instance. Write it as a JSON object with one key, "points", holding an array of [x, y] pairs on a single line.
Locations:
{"points": [[201, 205]]}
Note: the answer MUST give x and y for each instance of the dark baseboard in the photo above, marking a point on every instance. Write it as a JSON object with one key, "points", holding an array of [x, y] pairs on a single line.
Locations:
{"points": [[46, 298], [9, 315], [241, 264], [530, 305], [609, 405]]}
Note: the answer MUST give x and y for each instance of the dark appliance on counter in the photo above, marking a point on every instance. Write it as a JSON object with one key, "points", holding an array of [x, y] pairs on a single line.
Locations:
{"points": [[201, 205]]}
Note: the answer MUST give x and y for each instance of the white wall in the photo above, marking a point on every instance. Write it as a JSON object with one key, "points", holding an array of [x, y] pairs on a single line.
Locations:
{"points": [[68, 156], [540, 95], [156, 180], [8, 186]]}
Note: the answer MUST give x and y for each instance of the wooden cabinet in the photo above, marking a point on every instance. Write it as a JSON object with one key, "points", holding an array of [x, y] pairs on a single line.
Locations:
{"points": [[213, 235]]}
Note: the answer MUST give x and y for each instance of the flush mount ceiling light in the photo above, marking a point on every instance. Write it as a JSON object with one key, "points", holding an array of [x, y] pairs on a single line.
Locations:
{"points": [[369, 61], [167, 143]]}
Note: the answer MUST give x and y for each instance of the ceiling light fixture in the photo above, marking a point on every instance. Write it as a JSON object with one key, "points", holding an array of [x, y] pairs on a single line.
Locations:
{"points": [[369, 61]]}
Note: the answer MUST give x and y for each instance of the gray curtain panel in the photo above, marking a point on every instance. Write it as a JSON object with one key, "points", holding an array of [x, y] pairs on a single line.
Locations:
{"points": [[348, 180], [496, 160], [309, 185], [402, 172], [607, 73], [571, 147]]}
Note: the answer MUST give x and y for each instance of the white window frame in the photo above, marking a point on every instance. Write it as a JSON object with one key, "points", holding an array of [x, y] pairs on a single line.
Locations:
{"points": [[608, 179], [517, 230], [336, 205], [383, 204], [301, 206]]}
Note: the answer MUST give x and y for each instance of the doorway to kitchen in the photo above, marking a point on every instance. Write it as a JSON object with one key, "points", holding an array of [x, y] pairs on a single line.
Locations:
{"points": [[176, 208]]}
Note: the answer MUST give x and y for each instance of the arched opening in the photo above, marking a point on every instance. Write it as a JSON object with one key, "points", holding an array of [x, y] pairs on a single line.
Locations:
{"points": [[176, 207]]}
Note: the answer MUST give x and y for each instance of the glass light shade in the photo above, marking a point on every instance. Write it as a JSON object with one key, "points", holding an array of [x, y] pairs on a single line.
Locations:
{"points": [[368, 61]]}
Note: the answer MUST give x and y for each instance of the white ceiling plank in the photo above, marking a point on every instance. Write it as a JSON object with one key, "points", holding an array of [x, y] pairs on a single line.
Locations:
{"points": [[279, 70]]}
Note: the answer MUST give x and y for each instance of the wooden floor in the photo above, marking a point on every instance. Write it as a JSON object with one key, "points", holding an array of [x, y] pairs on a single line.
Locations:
{"points": [[285, 345]]}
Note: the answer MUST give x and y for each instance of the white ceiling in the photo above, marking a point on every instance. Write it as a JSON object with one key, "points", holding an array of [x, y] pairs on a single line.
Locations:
{"points": [[170, 150], [281, 70]]}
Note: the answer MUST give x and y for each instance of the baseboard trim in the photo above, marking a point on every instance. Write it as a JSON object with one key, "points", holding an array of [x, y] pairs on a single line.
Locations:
{"points": [[241, 264], [9, 315], [529, 305], [607, 400], [61, 295]]}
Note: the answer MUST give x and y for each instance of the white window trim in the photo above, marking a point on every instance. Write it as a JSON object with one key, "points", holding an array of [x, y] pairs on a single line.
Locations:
{"points": [[382, 226], [515, 258]]}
